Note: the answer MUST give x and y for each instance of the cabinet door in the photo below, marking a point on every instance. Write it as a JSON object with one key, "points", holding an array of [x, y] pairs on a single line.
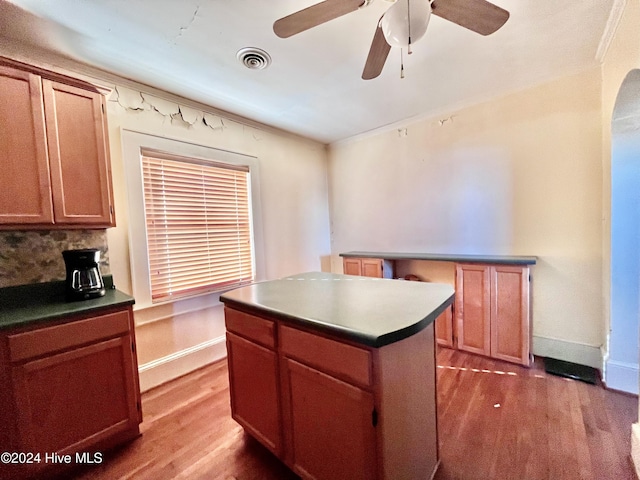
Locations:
{"points": [[25, 192], [510, 314], [372, 267], [253, 384], [444, 328], [329, 419], [78, 155], [70, 401], [352, 266], [473, 308]]}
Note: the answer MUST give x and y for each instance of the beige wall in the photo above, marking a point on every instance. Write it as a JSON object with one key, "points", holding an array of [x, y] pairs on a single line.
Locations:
{"points": [[622, 56], [174, 338], [518, 175]]}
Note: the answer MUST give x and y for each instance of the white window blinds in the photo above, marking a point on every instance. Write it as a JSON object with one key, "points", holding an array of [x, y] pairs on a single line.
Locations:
{"points": [[198, 221]]}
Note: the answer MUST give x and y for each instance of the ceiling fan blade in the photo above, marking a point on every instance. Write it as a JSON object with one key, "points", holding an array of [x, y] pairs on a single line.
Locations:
{"points": [[377, 55], [313, 16], [477, 15]]}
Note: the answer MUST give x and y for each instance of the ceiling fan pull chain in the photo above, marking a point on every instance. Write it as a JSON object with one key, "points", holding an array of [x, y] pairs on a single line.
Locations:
{"points": [[409, 27], [401, 64]]}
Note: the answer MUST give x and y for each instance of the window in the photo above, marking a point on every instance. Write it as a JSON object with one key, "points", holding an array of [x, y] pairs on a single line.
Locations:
{"points": [[135, 146], [198, 223]]}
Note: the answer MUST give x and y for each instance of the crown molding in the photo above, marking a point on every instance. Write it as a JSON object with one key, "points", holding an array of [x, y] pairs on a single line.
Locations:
{"points": [[617, 10]]}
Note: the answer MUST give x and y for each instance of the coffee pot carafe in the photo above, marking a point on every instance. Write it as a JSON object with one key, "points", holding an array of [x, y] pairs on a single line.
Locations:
{"points": [[83, 274]]}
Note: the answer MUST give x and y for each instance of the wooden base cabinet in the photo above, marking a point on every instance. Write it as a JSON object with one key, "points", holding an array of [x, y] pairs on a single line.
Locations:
{"points": [[445, 333], [342, 410], [492, 311], [491, 315], [253, 385], [329, 419], [368, 267], [70, 388]]}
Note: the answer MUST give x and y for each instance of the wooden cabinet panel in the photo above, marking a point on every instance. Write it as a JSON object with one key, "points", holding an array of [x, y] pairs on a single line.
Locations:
{"points": [[254, 328], [42, 341], [253, 384], [330, 419], [510, 314], [80, 172], [75, 399], [473, 309], [342, 360], [408, 429], [25, 192], [444, 328], [352, 266], [372, 267]]}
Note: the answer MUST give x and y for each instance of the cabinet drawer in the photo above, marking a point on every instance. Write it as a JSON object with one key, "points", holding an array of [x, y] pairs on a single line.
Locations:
{"points": [[42, 341], [342, 360], [249, 326]]}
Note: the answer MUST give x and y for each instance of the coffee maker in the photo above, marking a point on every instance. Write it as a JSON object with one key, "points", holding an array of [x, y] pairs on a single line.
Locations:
{"points": [[83, 274]]}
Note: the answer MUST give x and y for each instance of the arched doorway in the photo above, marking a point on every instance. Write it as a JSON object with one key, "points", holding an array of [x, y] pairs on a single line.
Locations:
{"points": [[622, 364]]}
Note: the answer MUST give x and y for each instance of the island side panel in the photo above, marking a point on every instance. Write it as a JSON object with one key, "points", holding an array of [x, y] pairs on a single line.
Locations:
{"points": [[405, 374]]}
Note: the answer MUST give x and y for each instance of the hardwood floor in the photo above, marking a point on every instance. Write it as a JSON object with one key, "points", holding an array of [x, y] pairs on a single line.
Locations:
{"points": [[496, 421], [501, 421]]}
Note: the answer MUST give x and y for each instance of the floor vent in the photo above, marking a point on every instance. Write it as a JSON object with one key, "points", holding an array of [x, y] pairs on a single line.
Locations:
{"points": [[571, 370]]}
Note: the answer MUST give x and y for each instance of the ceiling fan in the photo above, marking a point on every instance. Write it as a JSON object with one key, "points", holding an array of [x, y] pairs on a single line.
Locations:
{"points": [[401, 25]]}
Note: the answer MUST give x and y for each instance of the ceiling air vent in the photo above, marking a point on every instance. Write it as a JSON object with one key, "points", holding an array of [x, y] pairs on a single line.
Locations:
{"points": [[254, 58]]}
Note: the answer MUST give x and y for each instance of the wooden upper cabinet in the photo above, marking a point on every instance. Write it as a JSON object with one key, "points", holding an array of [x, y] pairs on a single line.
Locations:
{"points": [[54, 155], [80, 173], [25, 191]]}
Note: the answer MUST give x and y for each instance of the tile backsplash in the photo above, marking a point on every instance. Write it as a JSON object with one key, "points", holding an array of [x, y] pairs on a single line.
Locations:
{"points": [[36, 256]]}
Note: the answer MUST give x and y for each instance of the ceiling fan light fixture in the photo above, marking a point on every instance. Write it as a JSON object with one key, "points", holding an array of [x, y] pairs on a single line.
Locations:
{"points": [[406, 22]]}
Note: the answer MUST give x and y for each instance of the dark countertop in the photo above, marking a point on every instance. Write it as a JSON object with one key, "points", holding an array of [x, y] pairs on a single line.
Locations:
{"points": [[370, 311], [446, 257], [26, 304]]}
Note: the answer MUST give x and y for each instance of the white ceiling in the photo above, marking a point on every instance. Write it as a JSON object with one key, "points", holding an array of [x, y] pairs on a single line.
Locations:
{"points": [[313, 87]]}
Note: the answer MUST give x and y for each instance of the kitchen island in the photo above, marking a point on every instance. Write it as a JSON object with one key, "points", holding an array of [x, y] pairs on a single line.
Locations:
{"points": [[335, 374]]}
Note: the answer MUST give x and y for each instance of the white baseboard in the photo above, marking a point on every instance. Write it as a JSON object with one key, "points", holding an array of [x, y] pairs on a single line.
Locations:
{"points": [[622, 376], [180, 363], [635, 447], [579, 353]]}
